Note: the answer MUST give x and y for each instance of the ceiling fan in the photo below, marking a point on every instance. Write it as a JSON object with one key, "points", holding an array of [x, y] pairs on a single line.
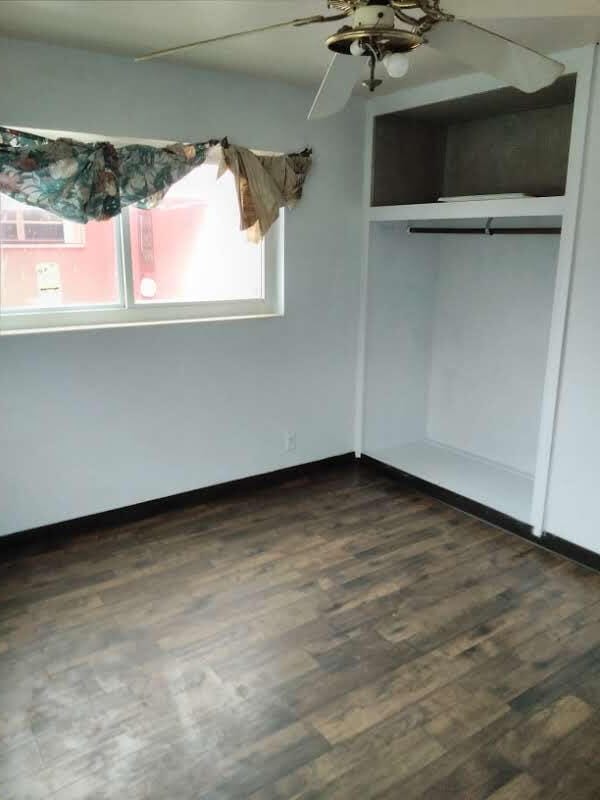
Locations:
{"points": [[385, 31]]}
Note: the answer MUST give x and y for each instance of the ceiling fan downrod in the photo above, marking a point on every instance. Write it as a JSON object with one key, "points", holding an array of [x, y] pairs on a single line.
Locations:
{"points": [[371, 83]]}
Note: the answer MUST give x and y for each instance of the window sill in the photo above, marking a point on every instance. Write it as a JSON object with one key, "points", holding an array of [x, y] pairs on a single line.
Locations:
{"points": [[135, 324]]}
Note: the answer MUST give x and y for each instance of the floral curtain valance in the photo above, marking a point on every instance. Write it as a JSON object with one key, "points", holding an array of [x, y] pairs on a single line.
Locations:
{"points": [[82, 182]]}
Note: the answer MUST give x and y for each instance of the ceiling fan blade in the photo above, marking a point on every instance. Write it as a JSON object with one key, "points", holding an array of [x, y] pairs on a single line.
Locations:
{"points": [[497, 56], [475, 9], [336, 87], [296, 23]]}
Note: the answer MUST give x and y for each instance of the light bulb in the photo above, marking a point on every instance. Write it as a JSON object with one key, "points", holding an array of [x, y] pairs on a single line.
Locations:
{"points": [[397, 64], [356, 48]]}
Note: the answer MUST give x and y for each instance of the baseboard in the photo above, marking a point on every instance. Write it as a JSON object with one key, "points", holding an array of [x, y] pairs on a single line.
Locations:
{"points": [[572, 551], [51, 537], [548, 541], [54, 536], [455, 500]]}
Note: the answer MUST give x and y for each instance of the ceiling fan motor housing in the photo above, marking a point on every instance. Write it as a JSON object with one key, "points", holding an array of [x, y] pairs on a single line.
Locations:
{"points": [[374, 16], [373, 29]]}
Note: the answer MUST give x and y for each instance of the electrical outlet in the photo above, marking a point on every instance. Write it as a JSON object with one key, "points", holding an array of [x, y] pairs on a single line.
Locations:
{"points": [[289, 441]]}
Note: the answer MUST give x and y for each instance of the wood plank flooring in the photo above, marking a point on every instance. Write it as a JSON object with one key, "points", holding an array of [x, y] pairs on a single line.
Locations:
{"points": [[337, 636]]}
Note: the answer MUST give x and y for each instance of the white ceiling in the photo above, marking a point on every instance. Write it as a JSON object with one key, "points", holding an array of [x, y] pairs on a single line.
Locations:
{"points": [[296, 55]]}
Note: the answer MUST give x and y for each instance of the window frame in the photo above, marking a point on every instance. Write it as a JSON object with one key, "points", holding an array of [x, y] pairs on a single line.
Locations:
{"points": [[129, 313]]}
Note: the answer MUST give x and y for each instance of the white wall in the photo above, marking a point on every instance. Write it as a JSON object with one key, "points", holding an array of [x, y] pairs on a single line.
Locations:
{"points": [[457, 338], [95, 420], [493, 308], [398, 346], [572, 509]]}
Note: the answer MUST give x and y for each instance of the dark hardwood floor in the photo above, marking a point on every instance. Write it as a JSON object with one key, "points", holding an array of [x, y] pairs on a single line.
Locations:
{"points": [[338, 636]]}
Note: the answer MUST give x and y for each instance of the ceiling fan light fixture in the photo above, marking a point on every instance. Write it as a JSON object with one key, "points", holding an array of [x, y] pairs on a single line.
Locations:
{"points": [[389, 40]]}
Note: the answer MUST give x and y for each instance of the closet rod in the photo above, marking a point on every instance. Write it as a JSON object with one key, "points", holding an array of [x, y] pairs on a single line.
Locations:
{"points": [[490, 231]]}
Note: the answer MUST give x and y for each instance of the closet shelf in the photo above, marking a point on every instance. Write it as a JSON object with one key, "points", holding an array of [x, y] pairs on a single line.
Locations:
{"points": [[486, 482], [521, 208]]}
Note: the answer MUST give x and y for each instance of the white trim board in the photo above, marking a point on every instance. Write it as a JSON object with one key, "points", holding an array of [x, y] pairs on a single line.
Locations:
{"points": [[470, 209], [361, 350], [562, 293]]}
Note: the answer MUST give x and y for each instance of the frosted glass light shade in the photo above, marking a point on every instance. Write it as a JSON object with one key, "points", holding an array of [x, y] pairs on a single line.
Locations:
{"points": [[397, 64]]}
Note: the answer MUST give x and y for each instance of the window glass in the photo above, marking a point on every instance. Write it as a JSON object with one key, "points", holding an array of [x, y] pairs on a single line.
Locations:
{"points": [[190, 248], [46, 262]]}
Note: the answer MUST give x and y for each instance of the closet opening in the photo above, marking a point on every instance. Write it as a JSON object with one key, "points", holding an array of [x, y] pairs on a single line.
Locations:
{"points": [[457, 344]]}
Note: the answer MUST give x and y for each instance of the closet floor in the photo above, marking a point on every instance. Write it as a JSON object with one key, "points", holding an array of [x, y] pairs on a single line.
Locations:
{"points": [[336, 636], [479, 479]]}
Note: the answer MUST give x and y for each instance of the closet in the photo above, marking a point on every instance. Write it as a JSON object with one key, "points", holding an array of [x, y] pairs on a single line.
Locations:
{"points": [[462, 324]]}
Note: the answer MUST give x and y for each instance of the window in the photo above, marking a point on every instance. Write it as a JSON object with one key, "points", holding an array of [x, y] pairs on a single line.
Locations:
{"points": [[184, 260]]}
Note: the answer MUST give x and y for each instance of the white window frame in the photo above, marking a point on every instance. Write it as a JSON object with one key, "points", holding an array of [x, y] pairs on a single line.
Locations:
{"points": [[127, 312]]}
